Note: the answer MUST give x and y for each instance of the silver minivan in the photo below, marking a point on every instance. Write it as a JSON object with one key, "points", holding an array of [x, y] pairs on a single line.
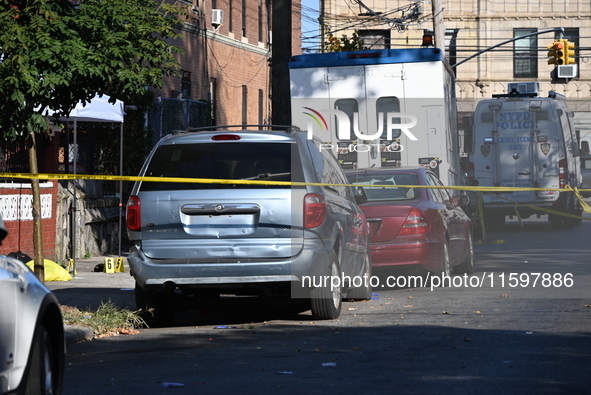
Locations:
{"points": [[245, 212]]}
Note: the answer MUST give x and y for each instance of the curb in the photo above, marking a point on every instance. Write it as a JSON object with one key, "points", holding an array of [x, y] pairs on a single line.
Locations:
{"points": [[77, 333]]}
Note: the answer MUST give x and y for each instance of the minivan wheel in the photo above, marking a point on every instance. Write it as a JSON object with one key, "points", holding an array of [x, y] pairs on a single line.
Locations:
{"points": [[326, 300], [363, 292], [155, 308]]}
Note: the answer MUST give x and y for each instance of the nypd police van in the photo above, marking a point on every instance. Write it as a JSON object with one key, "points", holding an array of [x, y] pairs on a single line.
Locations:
{"points": [[523, 140]]}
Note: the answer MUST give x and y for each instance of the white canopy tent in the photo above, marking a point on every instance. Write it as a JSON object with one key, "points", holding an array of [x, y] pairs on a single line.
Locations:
{"points": [[97, 110]]}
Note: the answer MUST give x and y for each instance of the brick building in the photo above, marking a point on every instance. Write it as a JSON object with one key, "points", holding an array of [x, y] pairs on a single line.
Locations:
{"points": [[227, 59]]}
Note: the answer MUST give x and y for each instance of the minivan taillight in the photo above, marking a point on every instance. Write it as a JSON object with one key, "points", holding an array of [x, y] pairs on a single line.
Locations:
{"points": [[132, 215], [415, 223], [314, 210], [562, 173]]}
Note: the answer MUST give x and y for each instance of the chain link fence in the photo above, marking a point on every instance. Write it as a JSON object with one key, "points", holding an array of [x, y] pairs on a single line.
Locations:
{"points": [[168, 114]]}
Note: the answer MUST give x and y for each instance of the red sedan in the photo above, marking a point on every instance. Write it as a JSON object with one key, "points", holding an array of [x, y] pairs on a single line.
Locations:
{"points": [[415, 227]]}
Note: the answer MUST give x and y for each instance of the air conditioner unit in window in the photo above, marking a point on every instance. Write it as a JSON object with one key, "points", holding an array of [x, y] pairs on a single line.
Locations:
{"points": [[217, 17], [567, 71]]}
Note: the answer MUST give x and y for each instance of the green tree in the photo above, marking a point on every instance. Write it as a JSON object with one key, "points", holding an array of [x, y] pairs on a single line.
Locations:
{"points": [[335, 44], [56, 53]]}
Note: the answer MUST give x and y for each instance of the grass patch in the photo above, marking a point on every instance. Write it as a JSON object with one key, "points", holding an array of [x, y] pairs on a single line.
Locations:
{"points": [[107, 320]]}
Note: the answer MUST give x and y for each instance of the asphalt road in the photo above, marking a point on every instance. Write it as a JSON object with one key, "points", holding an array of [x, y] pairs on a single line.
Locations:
{"points": [[493, 332]]}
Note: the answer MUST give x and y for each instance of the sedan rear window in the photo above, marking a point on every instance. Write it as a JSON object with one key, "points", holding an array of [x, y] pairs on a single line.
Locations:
{"points": [[387, 187], [241, 161]]}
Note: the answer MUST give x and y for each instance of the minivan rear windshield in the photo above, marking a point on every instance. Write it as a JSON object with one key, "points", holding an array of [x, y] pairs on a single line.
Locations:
{"points": [[225, 160]]}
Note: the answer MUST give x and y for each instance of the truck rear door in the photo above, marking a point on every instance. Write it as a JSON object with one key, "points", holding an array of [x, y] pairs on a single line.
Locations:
{"points": [[384, 92]]}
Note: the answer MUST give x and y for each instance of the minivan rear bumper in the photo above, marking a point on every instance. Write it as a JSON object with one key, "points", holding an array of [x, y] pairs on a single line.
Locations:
{"points": [[154, 274]]}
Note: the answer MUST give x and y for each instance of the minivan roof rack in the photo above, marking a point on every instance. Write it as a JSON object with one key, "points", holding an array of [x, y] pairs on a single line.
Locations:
{"points": [[285, 128]]}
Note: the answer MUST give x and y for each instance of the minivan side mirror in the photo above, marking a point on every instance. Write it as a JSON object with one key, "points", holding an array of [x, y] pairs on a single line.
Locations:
{"points": [[360, 196]]}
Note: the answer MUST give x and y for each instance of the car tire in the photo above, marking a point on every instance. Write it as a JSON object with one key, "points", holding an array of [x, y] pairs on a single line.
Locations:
{"points": [[42, 375], [155, 308], [326, 301], [467, 265], [445, 269], [556, 221], [363, 292]]}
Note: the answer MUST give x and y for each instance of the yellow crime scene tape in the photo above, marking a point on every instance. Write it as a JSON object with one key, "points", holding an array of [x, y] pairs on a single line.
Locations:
{"points": [[478, 189]]}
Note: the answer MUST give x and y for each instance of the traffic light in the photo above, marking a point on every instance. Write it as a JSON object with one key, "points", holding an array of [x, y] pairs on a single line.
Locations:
{"points": [[556, 53], [569, 52]]}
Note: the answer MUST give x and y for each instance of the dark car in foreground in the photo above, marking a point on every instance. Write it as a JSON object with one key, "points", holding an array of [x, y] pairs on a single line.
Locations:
{"points": [[242, 228], [423, 228], [32, 344]]}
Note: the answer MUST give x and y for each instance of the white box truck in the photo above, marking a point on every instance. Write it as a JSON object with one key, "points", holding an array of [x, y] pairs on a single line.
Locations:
{"points": [[523, 140], [376, 108]]}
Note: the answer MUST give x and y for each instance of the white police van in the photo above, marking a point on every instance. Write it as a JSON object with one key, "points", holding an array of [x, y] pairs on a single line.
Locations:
{"points": [[523, 140]]}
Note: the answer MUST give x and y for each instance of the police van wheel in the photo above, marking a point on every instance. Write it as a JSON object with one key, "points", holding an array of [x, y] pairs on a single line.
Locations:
{"points": [[555, 220]]}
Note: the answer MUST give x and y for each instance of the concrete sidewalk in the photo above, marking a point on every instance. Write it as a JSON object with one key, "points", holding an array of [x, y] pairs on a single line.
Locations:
{"points": [[88, 289]]}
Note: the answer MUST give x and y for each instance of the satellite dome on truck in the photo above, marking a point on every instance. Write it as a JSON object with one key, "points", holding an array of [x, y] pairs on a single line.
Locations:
{"points": [[521, 140]]}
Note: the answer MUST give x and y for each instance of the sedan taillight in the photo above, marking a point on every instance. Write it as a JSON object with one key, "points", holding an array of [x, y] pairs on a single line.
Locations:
{"points": [[415, 223], [133, 217], [314, 210]]}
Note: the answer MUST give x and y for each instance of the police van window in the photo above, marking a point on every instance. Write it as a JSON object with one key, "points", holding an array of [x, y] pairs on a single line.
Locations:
{"points": [[384, 105], [349, 107], [564, 123]]}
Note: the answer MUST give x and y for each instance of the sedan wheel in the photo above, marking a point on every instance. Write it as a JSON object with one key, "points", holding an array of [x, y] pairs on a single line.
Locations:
{"points": [[467, 265], [445, 266]]}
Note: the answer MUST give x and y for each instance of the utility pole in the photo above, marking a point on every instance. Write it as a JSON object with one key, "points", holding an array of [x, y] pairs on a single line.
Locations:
{"points": [[281, 52], [438, 27]]}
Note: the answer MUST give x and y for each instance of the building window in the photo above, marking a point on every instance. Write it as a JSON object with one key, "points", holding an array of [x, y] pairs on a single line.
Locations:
{"points": [[572, 35], [186, 84], [375, 39], [231, 11], [260, 21], [244, 105], [243, 18], [261, 107], [525, 60]]}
